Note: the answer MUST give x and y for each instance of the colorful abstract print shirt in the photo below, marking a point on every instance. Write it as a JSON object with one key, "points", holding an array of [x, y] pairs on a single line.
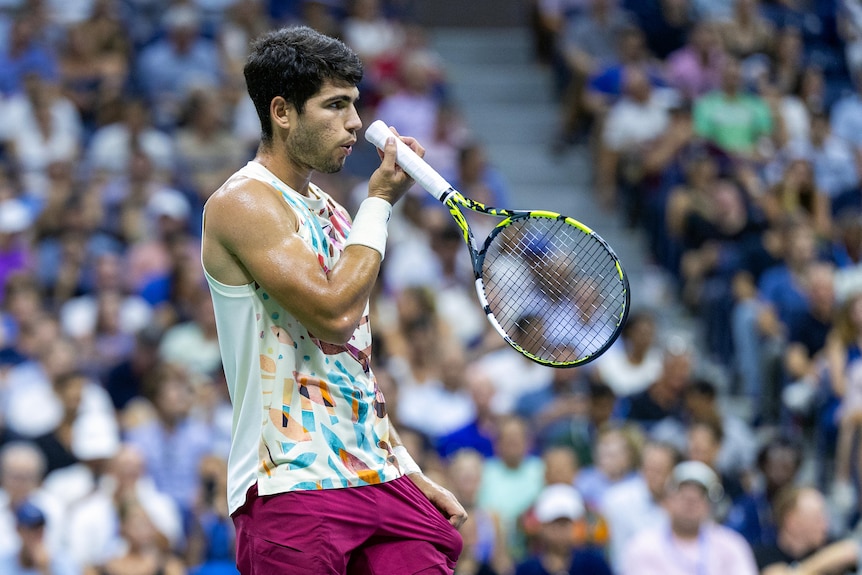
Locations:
{"points": [[325, 423]]}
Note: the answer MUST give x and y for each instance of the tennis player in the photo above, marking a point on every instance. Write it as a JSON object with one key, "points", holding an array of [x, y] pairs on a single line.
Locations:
{"points": [[318, 482]]}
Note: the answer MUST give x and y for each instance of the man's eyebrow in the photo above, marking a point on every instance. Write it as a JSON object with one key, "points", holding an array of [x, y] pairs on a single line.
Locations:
{"points": [[341, 98]]}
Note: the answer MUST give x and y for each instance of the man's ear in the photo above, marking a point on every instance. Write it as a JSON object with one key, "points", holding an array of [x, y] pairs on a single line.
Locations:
{"points": [[279, 112]]}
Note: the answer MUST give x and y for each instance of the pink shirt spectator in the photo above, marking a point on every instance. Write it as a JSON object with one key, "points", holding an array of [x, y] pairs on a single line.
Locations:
{"points": [[718, 551], [691, 75]]}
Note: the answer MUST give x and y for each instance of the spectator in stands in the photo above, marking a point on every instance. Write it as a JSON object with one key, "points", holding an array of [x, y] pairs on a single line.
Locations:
{"points": [[557, 507], [56, 445], [172, 66], [616, 459], [22, 469], [691, 541], [485, 549], [15, 249], [243, 21], [843, 356], [205, 147], [664, 397], [66, 258], [807, 333], [760, 319], [94, 523], [32, 407], [172, 442], [786, 61], [211, 548], [41, 127], [607, 84], [689, 198], [846, 116], [748, 32], [103, 321], [704, 442], [35, 556], [702, 403], [719, 242], [441, 404], [832, 158], [480, 434], [21, 308], [166, 214], [415, 105], [803, 531], [554, 412], [144, 553], [378, 41], [797, 194], [753, 515], [623, 140], [634, 361], [112, 147], [696, 69], [193, 344], [24, 53], [124, 380], [637, 505], [511, 479], [736, 122], [455, 288], [666, 24], [94, 62], [586, 44]]}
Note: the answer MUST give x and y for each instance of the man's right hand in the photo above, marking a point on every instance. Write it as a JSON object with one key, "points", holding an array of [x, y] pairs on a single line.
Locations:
{"points": [[389, 182]]}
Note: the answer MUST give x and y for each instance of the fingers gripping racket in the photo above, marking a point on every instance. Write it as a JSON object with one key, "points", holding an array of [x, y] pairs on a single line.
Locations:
{"points": [[549, 285]]}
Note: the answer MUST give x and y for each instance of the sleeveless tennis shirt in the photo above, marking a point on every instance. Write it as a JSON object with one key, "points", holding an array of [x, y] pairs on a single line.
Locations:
{"points": [[307, 414]]}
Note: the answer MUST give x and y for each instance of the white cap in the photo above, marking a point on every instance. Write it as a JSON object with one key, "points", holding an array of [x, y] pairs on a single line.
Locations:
{"points": [[170, 203], [180, 16], [558, 501], [95, 436], [699, 473], [14, 216]]}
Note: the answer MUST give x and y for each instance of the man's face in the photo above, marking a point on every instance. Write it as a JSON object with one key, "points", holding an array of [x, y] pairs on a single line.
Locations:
{"points": [[809, 520], [688, 507], [322, 136], [656, 467]]}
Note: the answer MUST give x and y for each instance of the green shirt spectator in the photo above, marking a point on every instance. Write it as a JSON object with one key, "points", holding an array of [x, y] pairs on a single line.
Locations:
{"points": [[731, 119]]}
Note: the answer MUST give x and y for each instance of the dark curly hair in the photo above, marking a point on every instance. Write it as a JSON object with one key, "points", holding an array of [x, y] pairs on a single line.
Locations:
{"points": [[294, 63]]}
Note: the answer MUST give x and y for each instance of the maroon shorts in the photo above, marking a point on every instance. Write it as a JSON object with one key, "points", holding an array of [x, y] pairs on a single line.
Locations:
{"points": [[387, 529]]}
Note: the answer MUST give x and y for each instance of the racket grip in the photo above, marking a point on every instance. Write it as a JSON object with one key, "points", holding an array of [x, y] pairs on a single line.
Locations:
{"points": [[410, 162]]}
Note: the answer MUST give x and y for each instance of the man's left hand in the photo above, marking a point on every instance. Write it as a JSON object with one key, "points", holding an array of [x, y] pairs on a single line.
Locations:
{"points": [[442, 499]]}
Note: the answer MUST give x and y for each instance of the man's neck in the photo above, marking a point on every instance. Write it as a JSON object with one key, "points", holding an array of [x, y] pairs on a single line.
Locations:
{"points": [[684, 534], [297, 179]]}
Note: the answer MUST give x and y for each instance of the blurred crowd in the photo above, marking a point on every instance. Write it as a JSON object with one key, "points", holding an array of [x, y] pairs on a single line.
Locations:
{"points": [[728, 132]]}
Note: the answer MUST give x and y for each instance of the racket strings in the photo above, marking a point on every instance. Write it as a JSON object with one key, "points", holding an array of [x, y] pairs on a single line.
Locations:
{"points": [[554, 289]]}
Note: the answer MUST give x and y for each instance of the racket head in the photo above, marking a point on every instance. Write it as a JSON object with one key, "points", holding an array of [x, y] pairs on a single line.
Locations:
{"points": [[552, 287]]}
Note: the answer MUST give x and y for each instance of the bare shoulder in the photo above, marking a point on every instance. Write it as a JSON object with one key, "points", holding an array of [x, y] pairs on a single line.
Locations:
{"points": [[243, 212]]}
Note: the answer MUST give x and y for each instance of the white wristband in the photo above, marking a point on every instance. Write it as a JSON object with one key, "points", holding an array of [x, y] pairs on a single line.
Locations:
{"points": [[370, 226], [405, 462]]}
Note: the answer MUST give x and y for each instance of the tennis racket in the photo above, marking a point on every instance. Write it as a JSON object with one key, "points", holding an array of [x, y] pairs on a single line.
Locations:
{"points": [[549, 285]]}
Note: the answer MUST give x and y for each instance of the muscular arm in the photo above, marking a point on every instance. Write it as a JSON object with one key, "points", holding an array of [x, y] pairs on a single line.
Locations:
{"points": [[251, 235]]}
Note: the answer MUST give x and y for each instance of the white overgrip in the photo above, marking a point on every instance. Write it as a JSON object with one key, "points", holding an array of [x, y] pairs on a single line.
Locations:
{"points": [[418, 169]]}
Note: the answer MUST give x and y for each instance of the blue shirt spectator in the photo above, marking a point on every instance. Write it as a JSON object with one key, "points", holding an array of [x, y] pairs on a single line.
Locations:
{"points": [[170, 67]]}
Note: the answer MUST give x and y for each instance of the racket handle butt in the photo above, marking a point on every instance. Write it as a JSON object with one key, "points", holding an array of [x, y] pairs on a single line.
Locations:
{"points": [[418, 169]]}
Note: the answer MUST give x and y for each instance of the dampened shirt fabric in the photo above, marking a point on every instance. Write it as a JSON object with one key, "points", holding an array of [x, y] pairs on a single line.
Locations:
{"points": [[307, 414]]}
